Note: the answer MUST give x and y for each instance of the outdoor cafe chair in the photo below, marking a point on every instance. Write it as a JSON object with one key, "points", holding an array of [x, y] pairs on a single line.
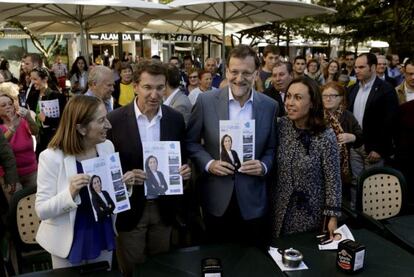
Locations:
{"points": [[380, 198]]}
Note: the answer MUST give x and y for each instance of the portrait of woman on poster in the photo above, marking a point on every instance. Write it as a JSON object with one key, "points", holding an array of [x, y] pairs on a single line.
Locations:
{"points": [[155, 183], [101, 201], [227, 154]]}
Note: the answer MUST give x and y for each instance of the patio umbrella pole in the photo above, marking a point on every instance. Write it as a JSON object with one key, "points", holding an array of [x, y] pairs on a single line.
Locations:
{"points": [[169, 47], [84, 51], [192, 40], [223, 45]]}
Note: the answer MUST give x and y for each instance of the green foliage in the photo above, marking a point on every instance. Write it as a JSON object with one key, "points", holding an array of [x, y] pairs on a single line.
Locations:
{"points": [[46, 51], [13, 52], [355, 21]]}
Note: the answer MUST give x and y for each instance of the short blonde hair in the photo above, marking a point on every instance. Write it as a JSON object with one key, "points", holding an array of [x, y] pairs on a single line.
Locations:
{"points": [[10, 89]]}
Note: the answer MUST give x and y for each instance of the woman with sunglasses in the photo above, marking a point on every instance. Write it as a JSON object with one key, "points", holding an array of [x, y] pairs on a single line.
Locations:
{"points": [[193, 80]]}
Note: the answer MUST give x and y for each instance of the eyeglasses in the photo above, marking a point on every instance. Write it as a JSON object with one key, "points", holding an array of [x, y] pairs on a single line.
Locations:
{"points": [[330, 96], [244, 74], [193, 77], [349, 59], [148, 88]]}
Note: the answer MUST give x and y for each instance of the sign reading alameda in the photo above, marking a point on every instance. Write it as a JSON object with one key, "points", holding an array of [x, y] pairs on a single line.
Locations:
{"points": [[136, 37], [114, 36]]}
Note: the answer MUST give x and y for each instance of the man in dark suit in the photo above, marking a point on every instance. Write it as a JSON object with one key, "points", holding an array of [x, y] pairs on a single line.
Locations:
{"points": [[234, 202], [382, 72], [174, 97], [374, 104], [145, 229], [282, 75]]}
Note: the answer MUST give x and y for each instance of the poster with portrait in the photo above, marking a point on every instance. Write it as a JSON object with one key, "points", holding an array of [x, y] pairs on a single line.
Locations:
{"points": [[50, 108], [162, 161], [237, 141], [340, 234], [107, 192]]}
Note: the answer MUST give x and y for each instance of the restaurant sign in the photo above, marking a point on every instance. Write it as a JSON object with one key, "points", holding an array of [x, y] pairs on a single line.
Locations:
{"points": [[114, 36]]}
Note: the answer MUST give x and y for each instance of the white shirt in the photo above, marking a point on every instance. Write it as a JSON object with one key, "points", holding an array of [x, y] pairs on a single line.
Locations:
{"points": [[238, 112], [101, 195], [167, 101], [148, 130], [156, 176], [409, 94], [361, 100], [193, 95], [230, 156]]}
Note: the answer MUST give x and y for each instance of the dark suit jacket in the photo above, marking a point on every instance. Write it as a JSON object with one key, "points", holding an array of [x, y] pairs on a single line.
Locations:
{"points": [[153, 187], [116, 93], [216, 191], [126, 139], [380, 111], [404, 143], [102, 210], [393, 82], [274, 94], [225, 157]]}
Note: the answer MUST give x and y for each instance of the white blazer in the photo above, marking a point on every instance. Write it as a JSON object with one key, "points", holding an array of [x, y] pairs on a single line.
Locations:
{"points": [[54, 204]]}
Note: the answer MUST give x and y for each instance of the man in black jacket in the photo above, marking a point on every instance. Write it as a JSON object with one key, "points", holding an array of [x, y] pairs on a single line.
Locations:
{"points": [[374, 104], [282, 75]]}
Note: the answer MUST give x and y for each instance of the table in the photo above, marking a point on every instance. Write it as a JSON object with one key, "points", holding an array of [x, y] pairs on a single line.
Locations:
{"points": [[236, 260], [72, 272], [383, 258]]}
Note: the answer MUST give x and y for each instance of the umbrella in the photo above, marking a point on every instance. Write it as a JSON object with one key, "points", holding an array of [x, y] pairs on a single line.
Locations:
{"points": [[243, 11], [52, 27], [84, 13], [192, 27]]}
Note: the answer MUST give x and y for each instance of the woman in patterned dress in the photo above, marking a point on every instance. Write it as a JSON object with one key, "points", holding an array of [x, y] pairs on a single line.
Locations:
{"points": [[308, 185]]}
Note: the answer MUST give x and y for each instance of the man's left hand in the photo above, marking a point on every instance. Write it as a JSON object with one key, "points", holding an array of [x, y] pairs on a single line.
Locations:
{"points": [[185, 172], [252, 167], [373, 157]]}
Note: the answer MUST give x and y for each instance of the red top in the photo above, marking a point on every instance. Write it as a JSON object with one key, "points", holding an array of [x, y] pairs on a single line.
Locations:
{"points": [[22, 145]]}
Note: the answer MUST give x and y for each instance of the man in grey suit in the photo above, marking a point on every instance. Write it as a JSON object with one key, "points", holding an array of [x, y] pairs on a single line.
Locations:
{"points": [[234, 201], [174, 97]]}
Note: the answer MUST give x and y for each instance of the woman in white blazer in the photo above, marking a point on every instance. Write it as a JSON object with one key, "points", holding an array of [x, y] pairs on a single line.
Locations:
{"points": [[68, 229]]}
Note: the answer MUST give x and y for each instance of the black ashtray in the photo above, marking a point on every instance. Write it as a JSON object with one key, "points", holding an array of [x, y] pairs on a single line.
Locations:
{"points": [[211, 267]]}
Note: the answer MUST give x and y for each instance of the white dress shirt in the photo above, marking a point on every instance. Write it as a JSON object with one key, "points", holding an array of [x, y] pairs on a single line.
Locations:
{"points": [[361, 100], [193, 95], [230, 156], [409, 93], [237, 112], [148, 130], [101, 195]]}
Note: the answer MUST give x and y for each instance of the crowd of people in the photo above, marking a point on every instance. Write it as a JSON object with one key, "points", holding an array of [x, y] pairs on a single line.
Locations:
{"points": [[319, 124]]}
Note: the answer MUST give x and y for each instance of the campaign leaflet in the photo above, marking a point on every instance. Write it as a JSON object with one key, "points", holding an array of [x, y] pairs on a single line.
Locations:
{"points": [[162, 161], [340, 234], [107, 192], [50, 108], [237, 141]]}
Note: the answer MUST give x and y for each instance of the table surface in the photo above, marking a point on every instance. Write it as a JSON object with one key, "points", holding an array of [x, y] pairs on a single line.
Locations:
{"points": [[72, 272], [383, 258]]}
